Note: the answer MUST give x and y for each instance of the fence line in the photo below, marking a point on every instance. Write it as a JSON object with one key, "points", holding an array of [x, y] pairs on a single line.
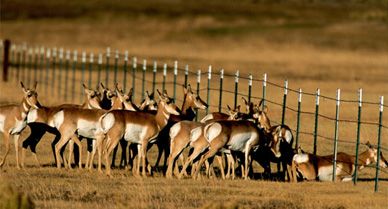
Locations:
{"points": [[29, 63]]}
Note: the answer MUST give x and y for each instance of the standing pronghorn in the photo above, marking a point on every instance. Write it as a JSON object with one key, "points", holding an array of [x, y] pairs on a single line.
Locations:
{"points": [[13, 119], [37, 120], [313, 167], [136, 127]]}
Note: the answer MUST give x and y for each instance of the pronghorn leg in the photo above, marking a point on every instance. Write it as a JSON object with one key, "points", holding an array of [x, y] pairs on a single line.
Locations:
{"points": [[23, 157], [6, 143], [144, 157], [76, 140], [123, 160], [16, 141], [230, 169], [71, 149], [64, 139], [221, 164], [176, 150], [99, 143], [111, 142], [196, 152], [210, 153], [247, 160]]}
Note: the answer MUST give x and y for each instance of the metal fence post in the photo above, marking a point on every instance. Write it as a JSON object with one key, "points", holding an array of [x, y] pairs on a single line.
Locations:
{"points": [[99, 62], [209, 76], [41, 64], [358, 136], [336, 134], [164, 76], [67, 64], [125, 70], [284, 101], [154, 75], [29, 66], [186, 74], [316, 121], [83, 60], [7, 44], [221, 86], [250, 87], [298, 119], [107, 66], [12, 61], [36, 59], [48, 54], [23, 62], [75, 56], [198, 86], [59, 81], [91, 60], [143, 78], [264, 89], [175, 76], [236, 88], [53, 71], [379, 143], [116, 66], [134, 65], [18, 60]]}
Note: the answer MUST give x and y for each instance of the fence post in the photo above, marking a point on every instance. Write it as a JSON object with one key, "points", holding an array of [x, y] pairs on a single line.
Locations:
{"points": [[198, 86], [154, 76], [18, 60], [379, 143], [316, 121], [23, 62], [83, 60], [59, 81], [36, 54], [358, 136], [99, 62], [91, 60], [250, 87], [284, 100], [107, 66], [209, 76], [298, 119], [29, 66], [264, 89], [75, 56], [336, 133], [7, 44], [143, 78], [236, 88], [41, 64], [164, 76], [116, 66], [221, 86], [48, 54], [186, 74], [134, 65], [11, 62], [67, 71], [175, 76], [125, 71], [53, 70]]}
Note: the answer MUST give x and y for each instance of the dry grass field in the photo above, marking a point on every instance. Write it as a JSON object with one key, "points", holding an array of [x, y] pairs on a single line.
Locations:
{"points": [[324, 44]]}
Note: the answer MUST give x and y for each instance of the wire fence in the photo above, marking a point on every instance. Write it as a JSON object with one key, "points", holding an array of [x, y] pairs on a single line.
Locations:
{"points": [[61, 73]]}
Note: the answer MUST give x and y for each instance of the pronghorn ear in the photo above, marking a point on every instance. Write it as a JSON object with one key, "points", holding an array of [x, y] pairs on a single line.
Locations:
{"points": [[35, 84], [147, 95], [185, 90], [103, 87], [245, 101], [130, 93], [230, 109], [97, 87], [265, 109], [238, 108], [368, 144], [160, 95], [23, 87], [165, 93]]}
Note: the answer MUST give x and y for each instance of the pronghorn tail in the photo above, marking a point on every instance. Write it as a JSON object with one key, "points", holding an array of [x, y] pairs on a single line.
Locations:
{"points": [[212, 130]]}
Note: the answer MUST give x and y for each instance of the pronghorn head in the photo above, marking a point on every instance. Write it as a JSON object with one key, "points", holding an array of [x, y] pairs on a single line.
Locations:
{"points": [[249, 106], [261, 115], [166, 103], [193, 100], [106, 92], [126, 99], [372, 158], [92, 97], [275, 141], [31, 96], [149, 102], [234, 114]]}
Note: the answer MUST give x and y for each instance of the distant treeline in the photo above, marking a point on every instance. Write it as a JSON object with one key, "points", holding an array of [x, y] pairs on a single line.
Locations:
{"points": [[290, 9]]}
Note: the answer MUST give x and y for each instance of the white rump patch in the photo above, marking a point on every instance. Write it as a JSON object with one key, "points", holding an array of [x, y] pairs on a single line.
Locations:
{"points": [[86, 128], [212, 131], [32, 116], [58, 119], [238, 141], [174, 130], [2, 123], [195, 134], [107, 121], [288, 136], [301, 158], [207, 118]]}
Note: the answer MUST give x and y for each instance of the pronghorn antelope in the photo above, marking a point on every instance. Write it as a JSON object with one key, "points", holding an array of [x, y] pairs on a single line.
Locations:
{"points": [[37, 120], [313, 167], [191, 101], [233, 135], [13, 119], [136, 127]]}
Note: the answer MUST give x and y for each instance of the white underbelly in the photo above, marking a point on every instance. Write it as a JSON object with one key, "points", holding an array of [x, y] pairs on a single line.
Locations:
{"points": [[326, 173], [238, 141], [134, 133], [2, 123], [87, 128]]}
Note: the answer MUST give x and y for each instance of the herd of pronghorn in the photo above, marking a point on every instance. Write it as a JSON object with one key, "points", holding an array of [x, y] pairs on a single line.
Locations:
{"points": [[109, 118]]}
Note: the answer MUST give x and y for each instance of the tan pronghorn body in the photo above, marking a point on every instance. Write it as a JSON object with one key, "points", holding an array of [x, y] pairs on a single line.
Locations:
{"points": [[233, 135], [13, 120], [136, 127], [313, 167], [38, 120]]}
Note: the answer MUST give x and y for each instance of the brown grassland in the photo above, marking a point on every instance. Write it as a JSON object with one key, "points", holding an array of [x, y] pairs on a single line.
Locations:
{"points": [[313, 44]]}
